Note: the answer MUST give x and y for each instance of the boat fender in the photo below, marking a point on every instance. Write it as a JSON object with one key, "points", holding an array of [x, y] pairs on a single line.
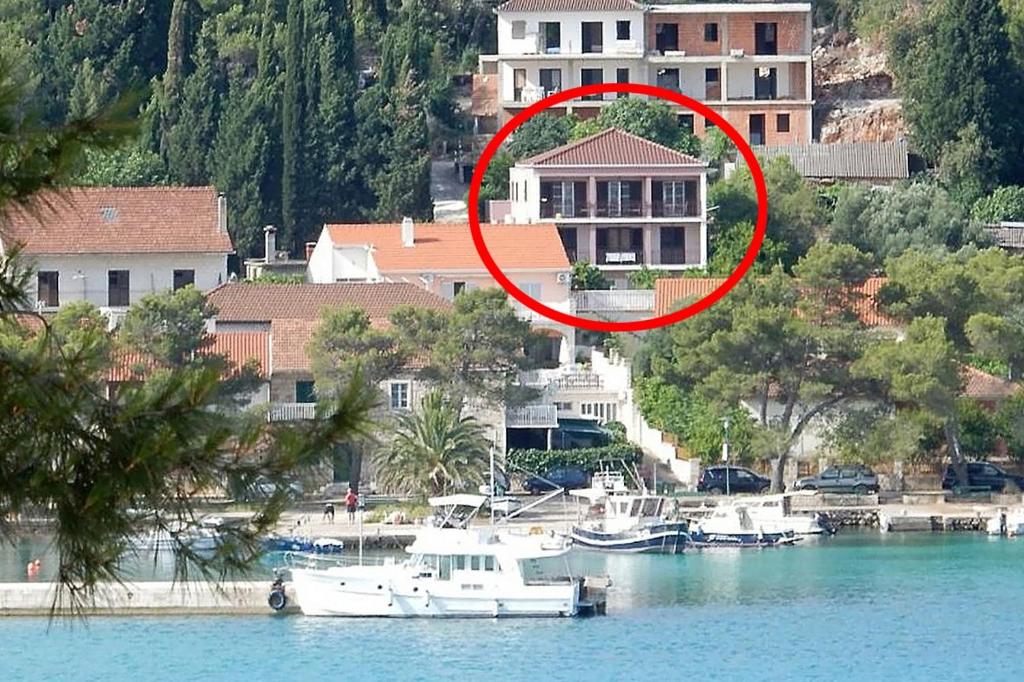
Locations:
{"points": [[277, 599]]}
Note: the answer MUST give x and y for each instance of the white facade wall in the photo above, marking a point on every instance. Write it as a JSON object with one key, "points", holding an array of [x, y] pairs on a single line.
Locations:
{"points": [[329, 263], [85, 276], [571, 32], [524, 193]]}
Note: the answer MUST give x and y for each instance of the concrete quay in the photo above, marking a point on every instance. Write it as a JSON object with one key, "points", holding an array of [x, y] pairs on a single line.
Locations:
{"points": [[149, 598]]}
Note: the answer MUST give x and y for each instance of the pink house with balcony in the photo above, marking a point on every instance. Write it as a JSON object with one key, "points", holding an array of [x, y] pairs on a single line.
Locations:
{"points": [[619, 201]]}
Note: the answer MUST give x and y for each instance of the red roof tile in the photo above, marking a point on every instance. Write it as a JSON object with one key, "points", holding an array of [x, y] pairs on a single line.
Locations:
{"points": [[569, 6], [981, 385], [612, 147], [119, 220], [669, 291], [290, 339], [238, 348], [442, 247], [263, 302]]}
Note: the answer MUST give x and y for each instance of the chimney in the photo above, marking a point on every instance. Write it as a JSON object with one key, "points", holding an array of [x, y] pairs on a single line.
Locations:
{"points": [[309, 249], [269, 244], [408, 232], [222, 212]]}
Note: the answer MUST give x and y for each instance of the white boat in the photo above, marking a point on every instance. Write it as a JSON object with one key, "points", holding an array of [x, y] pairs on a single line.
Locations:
{"points": [[624, 522], [732, 526], [773, 514], [450, 572]]}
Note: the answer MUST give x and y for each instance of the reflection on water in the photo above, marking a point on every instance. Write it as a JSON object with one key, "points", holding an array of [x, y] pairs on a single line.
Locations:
{"points": [[855, 607]]}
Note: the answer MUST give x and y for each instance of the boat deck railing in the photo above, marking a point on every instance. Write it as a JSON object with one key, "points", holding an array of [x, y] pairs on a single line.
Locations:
{"points": [[311, 560]]}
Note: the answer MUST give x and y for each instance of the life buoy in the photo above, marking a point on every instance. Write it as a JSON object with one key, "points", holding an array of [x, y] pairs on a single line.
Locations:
{"points": [[277, 599]]}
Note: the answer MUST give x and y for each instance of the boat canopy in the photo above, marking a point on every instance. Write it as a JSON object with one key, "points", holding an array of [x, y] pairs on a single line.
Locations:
{"points": [[459, 500]]}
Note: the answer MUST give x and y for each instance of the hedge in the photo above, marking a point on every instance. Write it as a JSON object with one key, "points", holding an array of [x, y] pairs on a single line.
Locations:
{"points": [[537, 461]]}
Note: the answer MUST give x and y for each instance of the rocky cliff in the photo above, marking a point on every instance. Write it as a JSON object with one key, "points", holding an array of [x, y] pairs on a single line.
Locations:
{"points": [[854, 100]]}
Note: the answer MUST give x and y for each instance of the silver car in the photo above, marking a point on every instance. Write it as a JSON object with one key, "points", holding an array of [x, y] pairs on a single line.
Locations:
{"points": [[847, 478]]}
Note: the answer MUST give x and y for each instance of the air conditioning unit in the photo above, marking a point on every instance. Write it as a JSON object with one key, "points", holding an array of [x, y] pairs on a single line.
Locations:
{"points": [[564, 277], [282, 255], [736, 52]]}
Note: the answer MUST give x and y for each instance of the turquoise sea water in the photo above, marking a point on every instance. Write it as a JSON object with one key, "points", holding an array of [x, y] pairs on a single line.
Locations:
{"points": [[856, 607]]}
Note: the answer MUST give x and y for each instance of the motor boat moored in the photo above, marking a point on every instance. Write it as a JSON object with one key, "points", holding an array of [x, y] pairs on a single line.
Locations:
{"points": [[732, 526], [625, 522], [451, 572]]}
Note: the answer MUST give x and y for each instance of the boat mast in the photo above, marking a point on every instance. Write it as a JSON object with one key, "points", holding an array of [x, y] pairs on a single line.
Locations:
{"points": [[492, 485]]}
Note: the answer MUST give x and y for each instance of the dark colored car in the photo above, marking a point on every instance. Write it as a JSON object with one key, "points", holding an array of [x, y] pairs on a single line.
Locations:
{"points": [[847, 478], [741, 480], [559, 477], [983, 475]]}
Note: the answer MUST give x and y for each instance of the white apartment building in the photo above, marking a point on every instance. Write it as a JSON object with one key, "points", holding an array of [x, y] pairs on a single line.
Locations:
{"points": [[111, 246], [750, 62]]}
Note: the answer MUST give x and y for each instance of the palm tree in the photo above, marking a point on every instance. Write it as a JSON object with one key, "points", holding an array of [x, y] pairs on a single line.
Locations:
{"points": [[434, 451]]}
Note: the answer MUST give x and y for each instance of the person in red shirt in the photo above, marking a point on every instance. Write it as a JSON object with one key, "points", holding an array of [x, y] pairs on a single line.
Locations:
{"points": [[351, 502]]}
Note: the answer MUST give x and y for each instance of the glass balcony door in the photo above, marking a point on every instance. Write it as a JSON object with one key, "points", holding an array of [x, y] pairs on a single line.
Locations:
{"points": [[619, 199], [620, 246]]}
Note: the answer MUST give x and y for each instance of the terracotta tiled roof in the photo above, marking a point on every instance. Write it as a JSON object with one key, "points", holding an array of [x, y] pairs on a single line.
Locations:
{"points": [[569, 6], [612, 147], [484, 100], [289, 339], [237, 347], [449, 247], [263, 302], [984, 386], [119, 220], [669, 291]]}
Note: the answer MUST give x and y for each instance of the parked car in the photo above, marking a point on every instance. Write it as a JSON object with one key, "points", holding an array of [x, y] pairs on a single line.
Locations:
{"points": [[741, 480], [851, 478], [559, 477], [983, 475]]}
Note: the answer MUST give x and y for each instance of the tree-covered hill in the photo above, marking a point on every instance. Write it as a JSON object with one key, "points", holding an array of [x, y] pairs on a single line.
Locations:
{"points": [[303, 111]]}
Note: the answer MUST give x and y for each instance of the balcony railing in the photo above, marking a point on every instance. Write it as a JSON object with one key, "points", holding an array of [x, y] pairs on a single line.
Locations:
{"points": [[291, 412], [532, 315], [550, 209], [615, 300], [579, 381], [532, 417], [678, 209], [619, 209]]}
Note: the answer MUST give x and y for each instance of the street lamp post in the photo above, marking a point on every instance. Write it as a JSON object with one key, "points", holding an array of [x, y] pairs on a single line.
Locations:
{"points": [[725, 451]]}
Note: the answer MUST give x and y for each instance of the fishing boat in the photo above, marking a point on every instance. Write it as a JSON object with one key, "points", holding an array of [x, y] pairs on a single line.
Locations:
{"points": [[774, 514], [452, 571], [625, 522], [732, 526]]}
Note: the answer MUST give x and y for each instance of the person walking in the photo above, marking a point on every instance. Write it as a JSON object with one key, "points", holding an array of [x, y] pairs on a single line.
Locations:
{"points": [[351, 502], [329, 512]]}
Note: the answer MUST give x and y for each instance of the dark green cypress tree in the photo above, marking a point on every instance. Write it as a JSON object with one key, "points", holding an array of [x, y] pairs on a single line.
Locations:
{"points": [[291, 124], [189, 141], [955, 68], [239, 161]]}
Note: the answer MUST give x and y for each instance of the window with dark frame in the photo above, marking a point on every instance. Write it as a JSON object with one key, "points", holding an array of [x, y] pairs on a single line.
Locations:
{"points": [[458, 288], [685, 122], [711, 75], [622, 76], [118, 288], [711, 32], [48, 293], [305, 392], [622, 29], [782, 123], [183, 278]]}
